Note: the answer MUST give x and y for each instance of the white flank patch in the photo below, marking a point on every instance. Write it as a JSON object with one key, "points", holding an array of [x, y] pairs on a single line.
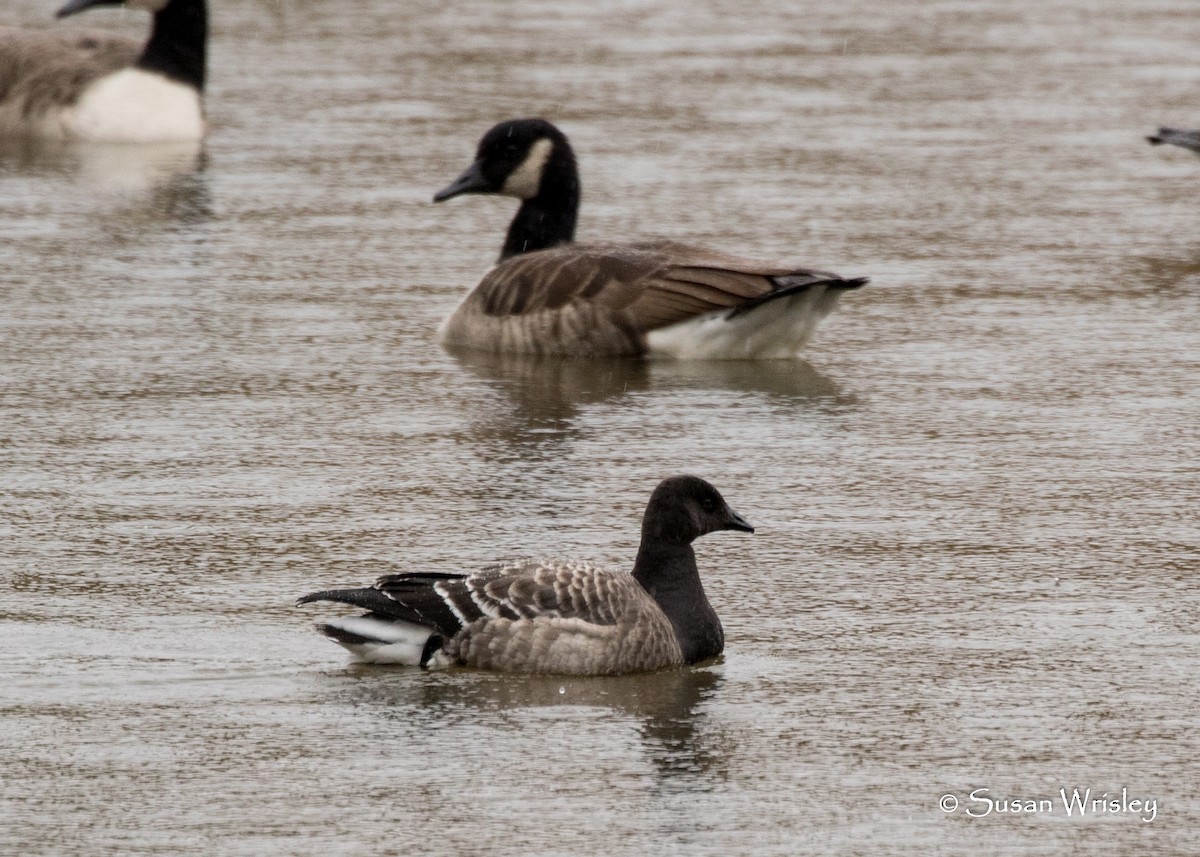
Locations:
{"points": [[391, 642], [524, 181], [135, 106], [776, 329]]}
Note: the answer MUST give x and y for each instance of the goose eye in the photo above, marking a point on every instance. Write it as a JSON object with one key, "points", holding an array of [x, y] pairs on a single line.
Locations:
{"points": [[708, 504]]}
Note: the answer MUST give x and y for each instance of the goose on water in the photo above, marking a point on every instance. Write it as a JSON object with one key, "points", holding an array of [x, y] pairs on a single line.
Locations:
{"points": [[554, 616], [103, 87], [549, 295]]}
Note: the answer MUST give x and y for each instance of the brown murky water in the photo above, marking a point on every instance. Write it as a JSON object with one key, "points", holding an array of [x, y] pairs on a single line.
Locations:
{"points": [[977, 551]]}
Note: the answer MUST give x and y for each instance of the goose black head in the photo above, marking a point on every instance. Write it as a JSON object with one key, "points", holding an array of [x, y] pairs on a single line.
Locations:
{"points": [[513, 159], [683, 508]]}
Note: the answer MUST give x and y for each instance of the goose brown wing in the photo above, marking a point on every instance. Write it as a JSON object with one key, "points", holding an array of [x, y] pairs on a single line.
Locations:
{"points": [[651, 284]]}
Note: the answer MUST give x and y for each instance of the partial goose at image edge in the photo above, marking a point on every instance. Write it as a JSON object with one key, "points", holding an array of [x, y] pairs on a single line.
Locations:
{"points": [[96, 86], [1181, 137]]}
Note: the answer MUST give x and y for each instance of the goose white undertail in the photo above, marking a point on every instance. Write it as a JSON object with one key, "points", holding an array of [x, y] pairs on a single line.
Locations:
{"points": [[776, 329], [375, 641]]}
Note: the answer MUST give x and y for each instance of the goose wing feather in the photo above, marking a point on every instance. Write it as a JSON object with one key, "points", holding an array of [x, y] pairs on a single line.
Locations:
{"points": [[652, 284], [518, 589]]}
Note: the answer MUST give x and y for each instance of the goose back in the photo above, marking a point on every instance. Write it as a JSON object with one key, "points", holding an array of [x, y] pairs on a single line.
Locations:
{"points": [[524, 615], [558, 616], [611, 299]]}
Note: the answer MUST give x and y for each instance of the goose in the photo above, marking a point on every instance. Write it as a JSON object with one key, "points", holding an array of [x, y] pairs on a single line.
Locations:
{"points": [[1176, 137], [549, 295], [554, 616], [104, 87]]}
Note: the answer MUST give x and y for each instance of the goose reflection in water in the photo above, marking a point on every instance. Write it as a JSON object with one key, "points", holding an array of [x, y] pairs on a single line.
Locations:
{"points": [[142, 185], [547, 393], [667, 709]]}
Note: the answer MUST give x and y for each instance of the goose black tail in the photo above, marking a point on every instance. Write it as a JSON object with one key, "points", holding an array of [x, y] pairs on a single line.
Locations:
{"points": [[367, 598], [792, 285]]}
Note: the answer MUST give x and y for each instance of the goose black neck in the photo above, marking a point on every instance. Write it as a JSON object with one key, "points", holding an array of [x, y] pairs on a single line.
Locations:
{"points": [[177, 43], [548, 219], [667, 570]]}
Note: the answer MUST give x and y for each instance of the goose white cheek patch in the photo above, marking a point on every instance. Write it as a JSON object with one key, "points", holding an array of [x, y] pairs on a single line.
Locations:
{"points": [[524, 181]]}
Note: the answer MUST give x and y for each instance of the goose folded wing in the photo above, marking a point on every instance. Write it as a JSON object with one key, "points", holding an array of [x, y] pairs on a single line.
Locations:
{"points": [[651, 284], [689, 282], [522, 589]]}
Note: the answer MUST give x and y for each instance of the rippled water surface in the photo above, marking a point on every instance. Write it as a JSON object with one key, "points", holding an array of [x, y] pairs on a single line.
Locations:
{"points": [[976, 563]]}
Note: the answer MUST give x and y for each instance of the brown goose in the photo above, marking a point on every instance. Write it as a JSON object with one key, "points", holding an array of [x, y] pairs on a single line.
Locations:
{"points": [[554, 616], [548, 295], [1176, 137], [104, 87]]}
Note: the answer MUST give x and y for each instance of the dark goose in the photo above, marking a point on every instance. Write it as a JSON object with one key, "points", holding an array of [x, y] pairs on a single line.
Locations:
{"points": [[554, 616]]}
